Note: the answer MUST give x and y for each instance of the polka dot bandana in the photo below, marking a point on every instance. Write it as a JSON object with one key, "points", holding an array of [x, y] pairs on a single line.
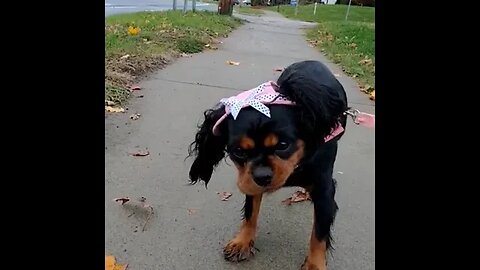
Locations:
{"points": [[255, 98]]}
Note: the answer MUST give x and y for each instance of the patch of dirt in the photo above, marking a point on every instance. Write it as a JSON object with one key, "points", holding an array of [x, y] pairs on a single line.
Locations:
{"points": [[125, 71]]}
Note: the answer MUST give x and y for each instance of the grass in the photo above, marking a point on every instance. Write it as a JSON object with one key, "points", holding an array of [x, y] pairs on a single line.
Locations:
{"points": [[351, 44], [248, 10], [162, 37]]}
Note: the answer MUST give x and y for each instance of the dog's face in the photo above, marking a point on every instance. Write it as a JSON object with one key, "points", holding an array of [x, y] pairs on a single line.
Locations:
{"points": [[264, 150]]}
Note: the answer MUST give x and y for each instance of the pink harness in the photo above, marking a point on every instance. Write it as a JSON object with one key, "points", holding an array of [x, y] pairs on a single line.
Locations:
{"points": [[257, 98]]}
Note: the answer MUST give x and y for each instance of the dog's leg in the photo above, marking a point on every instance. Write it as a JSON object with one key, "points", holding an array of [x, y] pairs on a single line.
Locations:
{"points": [[241, 247], [317, 253], [325, 209]]}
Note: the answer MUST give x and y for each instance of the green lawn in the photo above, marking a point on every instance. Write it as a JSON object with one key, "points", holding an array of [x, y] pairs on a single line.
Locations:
{"points": [[248, 10], [351, 43], [161, 36]]}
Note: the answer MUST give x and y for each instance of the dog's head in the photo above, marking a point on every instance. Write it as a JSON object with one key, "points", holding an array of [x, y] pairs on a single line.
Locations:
{"points": [[267, 149]]}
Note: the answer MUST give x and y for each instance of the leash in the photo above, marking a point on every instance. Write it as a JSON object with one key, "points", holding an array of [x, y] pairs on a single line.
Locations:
{"points": [[361, 118]]}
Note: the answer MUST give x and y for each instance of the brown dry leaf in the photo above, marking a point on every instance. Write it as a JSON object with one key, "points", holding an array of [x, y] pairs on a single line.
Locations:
{"points": [[233, 63], [224, 195], [123, 200], [298, 196], [372, 95], [114, 109], [135, 116], [141, 153], [111, 264]]}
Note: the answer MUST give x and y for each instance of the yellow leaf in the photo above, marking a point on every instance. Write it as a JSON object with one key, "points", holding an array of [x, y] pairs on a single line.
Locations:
{"points": [[111, 264], [114, 109], [133, 30], [109, 103], [233, 63], [372, 95], [365, 61]]}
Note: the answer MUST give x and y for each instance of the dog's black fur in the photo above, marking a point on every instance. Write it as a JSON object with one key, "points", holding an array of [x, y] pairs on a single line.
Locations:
{"points": [[320, 105]]}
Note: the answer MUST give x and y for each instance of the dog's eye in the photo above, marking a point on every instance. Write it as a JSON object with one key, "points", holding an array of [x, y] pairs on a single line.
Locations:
{"points": [[239, 153], [282, 146]]}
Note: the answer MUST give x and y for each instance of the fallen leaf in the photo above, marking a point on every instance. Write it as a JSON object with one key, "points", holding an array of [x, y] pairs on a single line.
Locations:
{"points": [[141, 154], [311, 45], [140, 96], [207, 45], [185, 55], [367, 88], [191, 211], [336, 75], [109, 103], [135, 88], [133, 31], [233, 63], [111, 264], [365, 62], [340, 172], [114, 109], [135, 116], [123, 200], [353, 45], [148, 42], [125, 56], [372, 95], [224, 195], [278, 69], [298, 196]]}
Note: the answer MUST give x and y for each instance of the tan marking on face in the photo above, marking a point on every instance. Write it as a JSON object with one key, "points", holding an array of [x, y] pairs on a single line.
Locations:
{"points": [[246, 143], [282, 169], [245, 182], [270, 140]]}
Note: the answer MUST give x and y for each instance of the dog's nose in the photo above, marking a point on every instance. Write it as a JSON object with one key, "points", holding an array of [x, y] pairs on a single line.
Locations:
{"points": [[262, 175]]}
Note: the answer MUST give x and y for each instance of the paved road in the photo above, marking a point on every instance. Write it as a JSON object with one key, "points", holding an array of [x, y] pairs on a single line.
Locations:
{"points": [[127, 6], [176, 238]]}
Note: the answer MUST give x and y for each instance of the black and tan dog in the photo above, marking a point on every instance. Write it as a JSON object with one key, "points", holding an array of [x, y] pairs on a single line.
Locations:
{"points": [[279, 134]]}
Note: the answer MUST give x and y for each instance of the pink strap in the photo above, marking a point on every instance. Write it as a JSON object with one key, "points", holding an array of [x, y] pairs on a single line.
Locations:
{"points": [[366, 119]]}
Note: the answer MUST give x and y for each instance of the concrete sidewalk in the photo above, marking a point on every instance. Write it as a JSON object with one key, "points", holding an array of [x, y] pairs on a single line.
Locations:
{"points": [[191, 224]]}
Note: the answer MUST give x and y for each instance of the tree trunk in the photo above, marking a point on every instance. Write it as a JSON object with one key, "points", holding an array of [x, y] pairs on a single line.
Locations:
{"points": [[225, 7]]}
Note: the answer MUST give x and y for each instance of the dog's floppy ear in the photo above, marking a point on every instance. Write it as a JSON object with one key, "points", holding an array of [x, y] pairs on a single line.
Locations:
{"points": [[207, 148], [320, 97]]}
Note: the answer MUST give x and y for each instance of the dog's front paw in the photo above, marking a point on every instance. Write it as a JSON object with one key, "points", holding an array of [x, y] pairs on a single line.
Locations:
{"points": [[307, 265], [238, 250]]}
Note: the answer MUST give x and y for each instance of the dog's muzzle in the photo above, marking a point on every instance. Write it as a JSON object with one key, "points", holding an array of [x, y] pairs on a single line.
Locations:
{"points": [[262, 175]]}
